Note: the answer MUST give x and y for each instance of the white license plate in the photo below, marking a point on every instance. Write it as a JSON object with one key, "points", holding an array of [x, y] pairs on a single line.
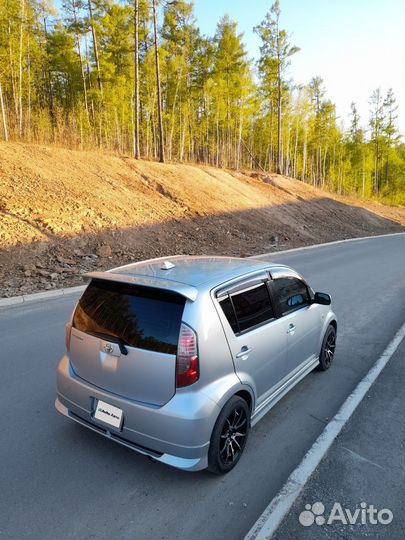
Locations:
{"points": [[108, 414]]}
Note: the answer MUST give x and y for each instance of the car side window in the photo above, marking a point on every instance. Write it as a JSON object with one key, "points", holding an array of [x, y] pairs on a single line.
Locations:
{"points": [[292, 294], [229, 313], [248, 308]]}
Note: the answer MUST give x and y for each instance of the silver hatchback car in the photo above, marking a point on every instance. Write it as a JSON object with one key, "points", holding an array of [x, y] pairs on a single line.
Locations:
{"points": [[177, 358]]}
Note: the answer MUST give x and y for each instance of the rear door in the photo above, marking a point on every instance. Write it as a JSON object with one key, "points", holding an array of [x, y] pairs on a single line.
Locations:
{"points": [[258, 346], [124, 340], [301, 320]]}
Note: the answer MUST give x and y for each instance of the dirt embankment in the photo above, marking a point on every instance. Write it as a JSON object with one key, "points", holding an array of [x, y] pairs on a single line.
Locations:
{"points": [[65, 212]]}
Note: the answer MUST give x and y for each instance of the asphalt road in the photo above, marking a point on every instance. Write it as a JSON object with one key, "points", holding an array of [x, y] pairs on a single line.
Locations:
{"points": [[59, 480], [365, 464]]}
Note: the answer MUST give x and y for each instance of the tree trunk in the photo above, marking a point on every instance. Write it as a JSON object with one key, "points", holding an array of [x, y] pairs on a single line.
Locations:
{"points": [[287, 159], [271, 160], [304, 154], [3, 114], [173, 112], [251, 144], [376, 168], [295, 150], [317, 165], [217, 133], [81, 130], [182, 138], [279, 150], [79, 50], [95, 48], [13, 77], [207, 132], [29, 92], [363, 176], [324, 167], [50, 90], [253, 157], [147, 132], [159, 94], [136, 62], [279, 155], [20, 76], [238, 151]]}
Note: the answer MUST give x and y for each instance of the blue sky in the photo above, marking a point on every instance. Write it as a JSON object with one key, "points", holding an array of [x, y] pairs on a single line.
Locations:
{"points": [[354, 45]]}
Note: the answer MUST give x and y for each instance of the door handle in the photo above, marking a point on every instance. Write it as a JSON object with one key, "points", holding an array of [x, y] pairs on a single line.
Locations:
{"points": [[245, 351], [291, 329]]}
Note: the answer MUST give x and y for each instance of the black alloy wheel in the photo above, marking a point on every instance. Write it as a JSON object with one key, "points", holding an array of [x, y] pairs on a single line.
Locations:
{"points": [[229, 436], [328, 349]]}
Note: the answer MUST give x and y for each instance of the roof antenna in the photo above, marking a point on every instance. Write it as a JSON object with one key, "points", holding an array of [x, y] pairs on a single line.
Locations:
{"points": [[167, 265]]}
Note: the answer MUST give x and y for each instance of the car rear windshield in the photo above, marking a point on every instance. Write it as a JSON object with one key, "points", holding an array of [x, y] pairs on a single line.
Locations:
{"points": [[140, 317]]}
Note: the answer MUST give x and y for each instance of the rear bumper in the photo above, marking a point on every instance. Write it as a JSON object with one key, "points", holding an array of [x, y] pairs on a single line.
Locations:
{"points": [[177, 433]]}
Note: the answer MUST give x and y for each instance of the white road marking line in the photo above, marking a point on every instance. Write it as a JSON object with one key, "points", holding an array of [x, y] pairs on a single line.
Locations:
{"points": [[273, 515], [326, 244]]}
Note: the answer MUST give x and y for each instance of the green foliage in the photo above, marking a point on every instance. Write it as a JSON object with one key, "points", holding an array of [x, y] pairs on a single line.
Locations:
{"points": [[69, 78]]}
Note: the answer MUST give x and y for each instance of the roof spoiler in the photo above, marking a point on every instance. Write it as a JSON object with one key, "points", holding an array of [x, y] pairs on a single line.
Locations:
{"points": [[183, 289]]}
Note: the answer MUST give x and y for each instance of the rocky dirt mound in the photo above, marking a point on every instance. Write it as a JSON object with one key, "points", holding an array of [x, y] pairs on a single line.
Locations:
{"points": [[64, 212]]}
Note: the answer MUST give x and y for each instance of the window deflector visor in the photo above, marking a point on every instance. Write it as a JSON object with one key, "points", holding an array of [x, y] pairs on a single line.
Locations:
{"points": [[244, 285]]}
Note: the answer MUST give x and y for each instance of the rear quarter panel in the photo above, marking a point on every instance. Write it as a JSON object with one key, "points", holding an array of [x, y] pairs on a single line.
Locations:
{"points": [[218, 379]]}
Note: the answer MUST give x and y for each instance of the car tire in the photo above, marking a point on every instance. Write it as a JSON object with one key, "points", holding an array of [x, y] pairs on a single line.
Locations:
{"points": [[328, 349], [229, 436]]}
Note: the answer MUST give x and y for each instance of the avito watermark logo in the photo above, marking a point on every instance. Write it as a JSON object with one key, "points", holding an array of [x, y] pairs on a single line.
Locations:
{"points": [[365, 515]]}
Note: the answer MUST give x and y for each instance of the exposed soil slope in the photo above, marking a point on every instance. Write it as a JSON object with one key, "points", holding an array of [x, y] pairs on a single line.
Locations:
{"points": [[63, 212]]}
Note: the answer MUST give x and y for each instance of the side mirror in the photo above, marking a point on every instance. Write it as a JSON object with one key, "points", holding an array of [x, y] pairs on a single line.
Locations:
{"points": [[322, 298]]}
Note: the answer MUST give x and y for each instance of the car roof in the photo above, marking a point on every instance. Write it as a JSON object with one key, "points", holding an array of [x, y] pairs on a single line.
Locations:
{"points": [[185, 274], [194, 270]]}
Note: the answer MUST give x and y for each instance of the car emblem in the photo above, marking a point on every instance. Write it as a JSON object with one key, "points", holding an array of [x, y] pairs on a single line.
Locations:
{"points": [[108, 348]]}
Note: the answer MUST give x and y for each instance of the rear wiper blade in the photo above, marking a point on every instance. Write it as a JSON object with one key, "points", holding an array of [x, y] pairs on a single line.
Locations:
{"points": [[113, 339]]}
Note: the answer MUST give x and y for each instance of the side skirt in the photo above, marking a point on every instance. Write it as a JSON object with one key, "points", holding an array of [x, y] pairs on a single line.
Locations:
{"points": [[280, 392]]}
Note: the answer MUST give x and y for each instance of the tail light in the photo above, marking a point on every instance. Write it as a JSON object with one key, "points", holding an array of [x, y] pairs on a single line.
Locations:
{"points": [[187, 364], [67, 336]]}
